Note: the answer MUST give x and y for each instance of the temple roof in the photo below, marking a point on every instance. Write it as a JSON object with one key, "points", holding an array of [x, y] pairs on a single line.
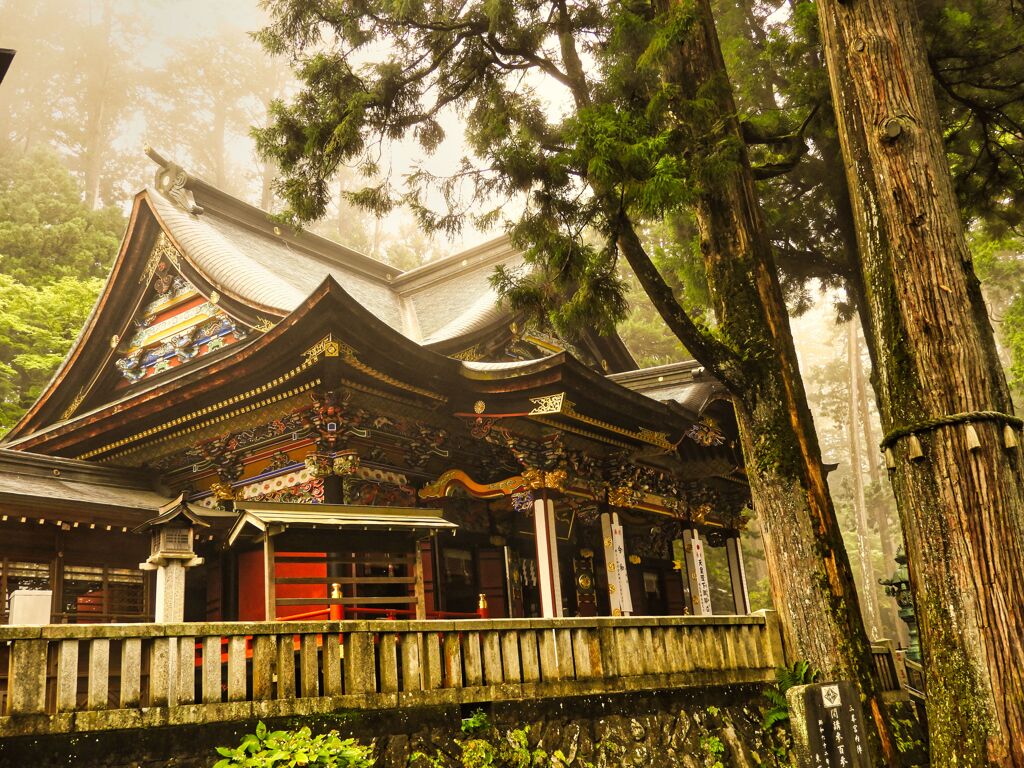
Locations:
{"points": [[686, 384], [193, 253], [210, 304], [68, 486], [251, 259]]}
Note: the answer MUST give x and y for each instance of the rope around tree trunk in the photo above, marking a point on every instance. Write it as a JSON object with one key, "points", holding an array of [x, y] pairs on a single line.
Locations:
{"points": [[945, 421]]}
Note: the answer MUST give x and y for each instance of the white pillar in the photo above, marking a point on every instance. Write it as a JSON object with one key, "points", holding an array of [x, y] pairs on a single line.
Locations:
{"points": [[548, 575], [738, 577], [170, 592], [697, 572], [619, 597]]}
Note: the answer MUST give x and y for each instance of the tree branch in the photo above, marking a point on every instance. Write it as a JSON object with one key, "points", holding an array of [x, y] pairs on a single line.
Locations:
{"points": [[710, 351]]}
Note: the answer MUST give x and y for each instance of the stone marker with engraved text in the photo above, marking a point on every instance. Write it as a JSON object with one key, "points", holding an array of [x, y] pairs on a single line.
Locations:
{"points": [[828, 726]]}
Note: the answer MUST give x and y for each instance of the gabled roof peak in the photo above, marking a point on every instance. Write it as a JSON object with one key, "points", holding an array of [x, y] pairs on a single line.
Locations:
{"points": [[193, 195]]}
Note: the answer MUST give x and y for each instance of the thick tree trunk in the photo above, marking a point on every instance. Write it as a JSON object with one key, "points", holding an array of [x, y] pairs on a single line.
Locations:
{"points": [[812, 582], [869, 588], [961, 503]]}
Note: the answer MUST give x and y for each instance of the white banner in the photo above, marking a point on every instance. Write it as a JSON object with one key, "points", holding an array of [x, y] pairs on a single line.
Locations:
{"points": [[700, 574], [619, 540], [611, 566], [615, 562]]}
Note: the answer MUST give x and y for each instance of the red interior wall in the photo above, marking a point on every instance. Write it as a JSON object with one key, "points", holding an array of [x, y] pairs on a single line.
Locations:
{"points": [[286, 570], [250, 585]]}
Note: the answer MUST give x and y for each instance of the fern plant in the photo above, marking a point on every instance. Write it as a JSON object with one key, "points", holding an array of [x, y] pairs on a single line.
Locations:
{"points": [[777, 711]]}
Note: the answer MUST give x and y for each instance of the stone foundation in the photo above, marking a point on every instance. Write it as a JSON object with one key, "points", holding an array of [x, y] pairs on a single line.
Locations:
{"points": [[692, 729]]}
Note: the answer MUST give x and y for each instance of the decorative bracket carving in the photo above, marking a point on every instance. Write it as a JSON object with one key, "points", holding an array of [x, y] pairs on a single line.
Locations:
{"points": [[172, 181]]}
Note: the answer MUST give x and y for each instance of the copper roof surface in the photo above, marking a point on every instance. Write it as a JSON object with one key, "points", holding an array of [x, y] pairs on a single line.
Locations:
{"points": [[685, 383], [35, 480], [249, 258]]}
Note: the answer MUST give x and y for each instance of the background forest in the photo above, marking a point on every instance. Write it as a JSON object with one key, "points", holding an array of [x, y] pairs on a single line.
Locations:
{"points": [[95, 80]]}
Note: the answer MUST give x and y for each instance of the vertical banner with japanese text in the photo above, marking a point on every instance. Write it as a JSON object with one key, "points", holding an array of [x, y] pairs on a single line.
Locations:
{"points": [[700, 576], [615, 561]]}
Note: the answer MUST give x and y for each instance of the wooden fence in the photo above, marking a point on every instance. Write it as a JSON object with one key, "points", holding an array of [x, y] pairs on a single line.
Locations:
{"points": [[77, 678]]}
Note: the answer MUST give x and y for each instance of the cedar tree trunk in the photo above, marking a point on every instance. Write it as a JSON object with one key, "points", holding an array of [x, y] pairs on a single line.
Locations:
{"points": [[961, 501], [812, 583], [869, 587]]}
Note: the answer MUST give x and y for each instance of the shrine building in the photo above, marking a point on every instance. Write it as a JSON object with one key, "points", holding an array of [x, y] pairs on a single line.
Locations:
{"points": [[257, 424]]}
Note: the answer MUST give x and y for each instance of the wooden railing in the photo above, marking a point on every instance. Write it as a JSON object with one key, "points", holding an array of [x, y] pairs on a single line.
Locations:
{"points": [[81, 678], [900, 678]]}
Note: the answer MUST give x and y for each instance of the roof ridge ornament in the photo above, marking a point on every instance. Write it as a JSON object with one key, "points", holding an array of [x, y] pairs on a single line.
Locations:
{"points": [[172, 182]]}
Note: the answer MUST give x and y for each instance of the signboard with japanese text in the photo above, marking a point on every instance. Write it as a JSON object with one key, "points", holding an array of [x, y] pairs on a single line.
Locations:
{"points": [[620, 561], [828, 726], [700, 573], [615, 561]]}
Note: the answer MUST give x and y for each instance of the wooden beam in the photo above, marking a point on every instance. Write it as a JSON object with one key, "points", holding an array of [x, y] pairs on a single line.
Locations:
{"points": [[269, 572], [418, 587]]}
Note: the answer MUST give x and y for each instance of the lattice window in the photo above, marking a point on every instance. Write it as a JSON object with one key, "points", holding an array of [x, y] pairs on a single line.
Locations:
{"points": [[100, 594]]}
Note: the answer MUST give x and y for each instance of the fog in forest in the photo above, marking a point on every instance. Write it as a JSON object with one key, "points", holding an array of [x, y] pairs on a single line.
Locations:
{"points": [[96, 80]]}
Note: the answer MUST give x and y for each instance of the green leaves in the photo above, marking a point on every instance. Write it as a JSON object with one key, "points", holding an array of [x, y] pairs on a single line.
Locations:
{"points": [[37, 328], [264, 749], [777, 711], [46, 233]]}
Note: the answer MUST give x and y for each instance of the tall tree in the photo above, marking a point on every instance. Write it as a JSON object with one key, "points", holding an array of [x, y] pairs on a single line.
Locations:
{"points": [[880, 497], [867, 572], [74, 89], [649, 126], [54, 252], [46, 232], [203, 100], [945, 406]]}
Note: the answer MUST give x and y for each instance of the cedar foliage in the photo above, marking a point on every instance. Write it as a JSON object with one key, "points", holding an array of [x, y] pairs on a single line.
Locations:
{"points": [[54, 253], [647, 128]]}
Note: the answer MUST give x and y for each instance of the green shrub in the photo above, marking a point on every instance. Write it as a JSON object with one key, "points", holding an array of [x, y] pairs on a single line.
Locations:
{"points": [[488, 747], [265, 749]]}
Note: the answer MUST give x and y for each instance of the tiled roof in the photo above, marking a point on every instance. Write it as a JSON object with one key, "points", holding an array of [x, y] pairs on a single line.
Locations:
{"points": [[31, 478], [686, 384], [249, 258]]}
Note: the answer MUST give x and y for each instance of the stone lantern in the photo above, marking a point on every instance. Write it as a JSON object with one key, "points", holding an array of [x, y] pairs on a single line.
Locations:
{"points": [[898, 586], [172, 551]]}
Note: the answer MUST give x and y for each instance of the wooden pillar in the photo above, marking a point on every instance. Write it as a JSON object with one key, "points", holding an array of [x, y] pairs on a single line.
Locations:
{"points": [[421, 598], [738, 577], [697, 572], [547, 557], [269, 574]]}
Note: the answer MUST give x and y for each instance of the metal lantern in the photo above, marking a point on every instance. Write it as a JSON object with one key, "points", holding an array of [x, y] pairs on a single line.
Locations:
{"points": [[898, 586]]}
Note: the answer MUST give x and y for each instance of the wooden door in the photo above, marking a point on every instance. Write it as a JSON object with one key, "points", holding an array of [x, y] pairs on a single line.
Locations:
{"points": [[491, 580]]}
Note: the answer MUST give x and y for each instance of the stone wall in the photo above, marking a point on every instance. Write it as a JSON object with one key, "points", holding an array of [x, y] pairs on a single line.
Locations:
{"points": [[694, 729]]}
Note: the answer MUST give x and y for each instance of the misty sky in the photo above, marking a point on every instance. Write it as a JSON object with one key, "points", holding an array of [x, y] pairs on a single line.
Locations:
{"points": [[152, 38], [159, 31]]}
